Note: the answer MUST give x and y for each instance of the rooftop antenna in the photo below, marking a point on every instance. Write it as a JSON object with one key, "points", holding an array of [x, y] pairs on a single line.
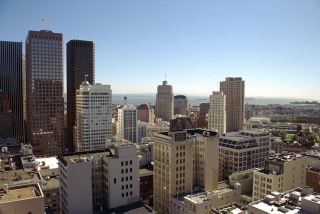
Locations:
{"points": [[85, 77], [165, 77], [217, 85], [78, 37], [44, 21]]}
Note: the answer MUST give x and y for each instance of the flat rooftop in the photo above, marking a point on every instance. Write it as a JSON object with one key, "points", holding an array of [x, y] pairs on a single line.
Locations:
{"points": [[83, 156], [22, 192]]}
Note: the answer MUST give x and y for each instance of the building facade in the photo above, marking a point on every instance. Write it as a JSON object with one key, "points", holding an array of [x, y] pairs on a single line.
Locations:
{"points": [[164, 101], [242, 151], [181, 105], [11, 82], [145, 113], [176, 171], [80, 67], [127, 122], [93, 116], [44, 91], [217, 112], [234, 89]]}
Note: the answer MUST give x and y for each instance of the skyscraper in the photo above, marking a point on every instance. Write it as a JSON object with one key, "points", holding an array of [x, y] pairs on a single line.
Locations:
{"points": [[164, 102], [217, 112], [181, 105], [80, 67], [11, 86], [233, 88], [44, 91], [93, 117]]}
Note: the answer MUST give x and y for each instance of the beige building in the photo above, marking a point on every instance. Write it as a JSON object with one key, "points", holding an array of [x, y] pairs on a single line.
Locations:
{"points": [[234, 90], [164, 102], [217, 112], [145, 113], [21, 199], [241, 151], [203, 202], [176, 171], [280, 173]]}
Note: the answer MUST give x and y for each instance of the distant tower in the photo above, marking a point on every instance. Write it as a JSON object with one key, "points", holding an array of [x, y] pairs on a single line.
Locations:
{"points": [[11, 82], [93, 116], [80, 65], [217, 113], [234, 90], [127, 122], [181, 105], [164, 101], [44, 91]]}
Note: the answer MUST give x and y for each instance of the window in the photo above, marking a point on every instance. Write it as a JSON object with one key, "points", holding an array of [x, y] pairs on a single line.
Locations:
{"points": [[115, 180]]}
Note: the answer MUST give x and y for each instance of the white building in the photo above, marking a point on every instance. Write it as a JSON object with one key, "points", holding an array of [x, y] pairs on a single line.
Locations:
{"points": [[93, 116], [127, 122], [242, 150], [298, 200], [164, 102], [217, 112], [108, 178], [141, 131], [280, 173]]}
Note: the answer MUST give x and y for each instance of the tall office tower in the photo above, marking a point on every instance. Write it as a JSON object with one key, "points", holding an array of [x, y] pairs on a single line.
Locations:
{"points": [[127, 122], [145, 113], [181, 105], [11, 84], [217, 112], [44, 75], [108, 178], [5, 116], [164, 102], [233, 88], [204, 109], [80, 66], [93, 117], [183, 159]]}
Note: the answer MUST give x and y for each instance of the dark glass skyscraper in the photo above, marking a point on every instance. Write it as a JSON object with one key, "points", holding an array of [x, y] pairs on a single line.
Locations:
{"points": [[44, 91], [11, 87], [80, 66]]}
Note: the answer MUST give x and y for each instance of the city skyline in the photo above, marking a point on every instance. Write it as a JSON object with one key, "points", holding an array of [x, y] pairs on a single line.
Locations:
{"points": [[274, 46]]}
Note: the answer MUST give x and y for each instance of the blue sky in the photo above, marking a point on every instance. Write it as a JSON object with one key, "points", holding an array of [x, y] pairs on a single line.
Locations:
{"points": [[274, 45]]}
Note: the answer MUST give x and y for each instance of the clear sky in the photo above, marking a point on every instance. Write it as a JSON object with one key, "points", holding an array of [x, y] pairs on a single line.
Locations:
{"points": [[274, 45]]}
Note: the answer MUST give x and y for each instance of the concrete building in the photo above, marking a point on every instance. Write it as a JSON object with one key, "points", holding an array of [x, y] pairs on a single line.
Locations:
{"points": [[80, 67], [11, 91], [298, 200], [203, 202], [276, 144], [93, 116], [109, 179], [280, 173], [146, 185], [44, 91], [234, 90], [21, 199], [176, 171], [162, 126], [141, 131], [145, 113], [181, 105], [164, 102], [217, 112], [241, 151], [127, 122]]}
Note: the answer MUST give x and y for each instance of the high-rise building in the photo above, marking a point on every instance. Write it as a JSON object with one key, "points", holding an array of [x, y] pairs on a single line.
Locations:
{"points": [[80, 67], [127, 122], [176, 170], [217, 112], [44, 91], [234, 90], [145, 113], [181, 105], [93, 116], [11, 84], [164, 102]]}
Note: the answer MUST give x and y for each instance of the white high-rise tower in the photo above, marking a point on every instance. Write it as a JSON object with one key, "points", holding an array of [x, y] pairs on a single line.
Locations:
{"points": [[217, 112], [127, 122], [93, 116]]}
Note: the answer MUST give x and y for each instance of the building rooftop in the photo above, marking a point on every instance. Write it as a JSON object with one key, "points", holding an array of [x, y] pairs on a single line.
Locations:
{"points": [[20, 192], [82, 156]]}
